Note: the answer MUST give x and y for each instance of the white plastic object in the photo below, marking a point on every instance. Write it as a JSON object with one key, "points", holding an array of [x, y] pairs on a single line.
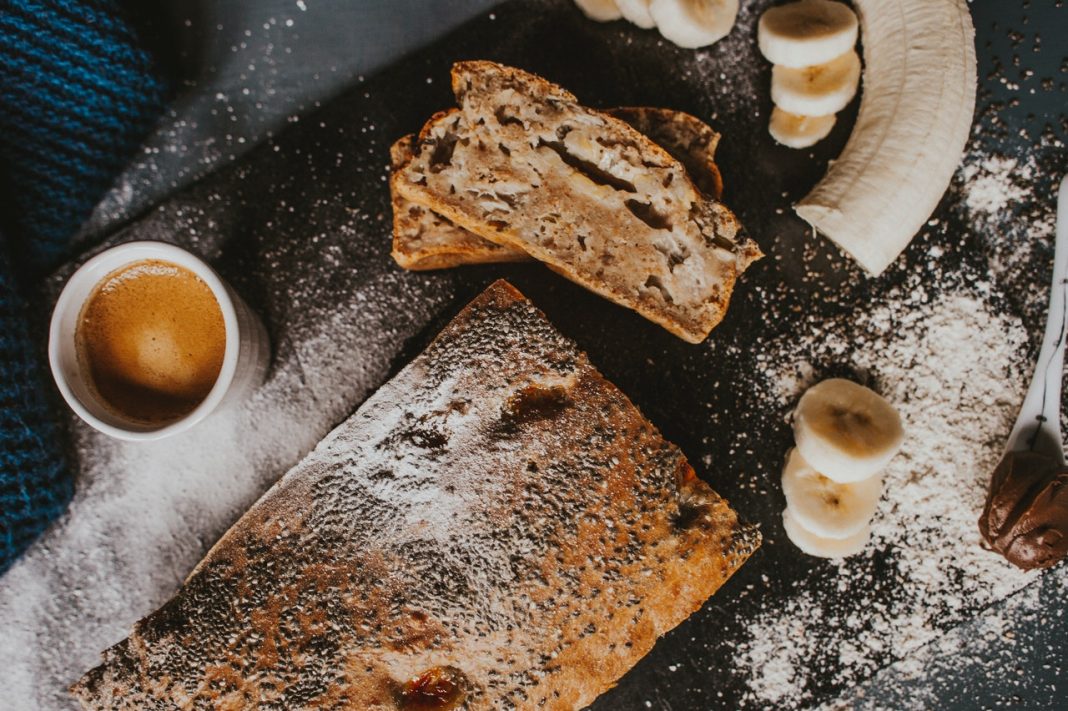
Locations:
{"points": [[1038, 427]]}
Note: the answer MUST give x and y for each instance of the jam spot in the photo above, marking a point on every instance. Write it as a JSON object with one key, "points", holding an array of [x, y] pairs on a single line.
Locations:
{"points": [[535, 402], [436, 689]]}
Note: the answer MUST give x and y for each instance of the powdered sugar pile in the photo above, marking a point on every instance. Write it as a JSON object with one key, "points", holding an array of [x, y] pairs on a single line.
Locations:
{"points": [[992, 188]]}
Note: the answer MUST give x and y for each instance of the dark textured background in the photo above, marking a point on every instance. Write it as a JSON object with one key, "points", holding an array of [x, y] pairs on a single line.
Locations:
{"points": [[249, 70]]}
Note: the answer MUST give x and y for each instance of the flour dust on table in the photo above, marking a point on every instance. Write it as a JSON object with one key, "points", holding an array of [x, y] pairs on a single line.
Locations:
{"points": [[951, 365], [144, 513], [299, 227]]}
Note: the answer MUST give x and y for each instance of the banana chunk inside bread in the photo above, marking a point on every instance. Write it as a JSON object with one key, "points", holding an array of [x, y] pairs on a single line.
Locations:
{"points": [[523, 165], [423, 239], [498, 527]]}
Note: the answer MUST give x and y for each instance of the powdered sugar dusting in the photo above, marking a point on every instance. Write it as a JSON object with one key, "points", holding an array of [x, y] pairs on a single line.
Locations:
{"points": [[487, 506], [994, 649], [1004, 205], [144, 513], [310, 272]]}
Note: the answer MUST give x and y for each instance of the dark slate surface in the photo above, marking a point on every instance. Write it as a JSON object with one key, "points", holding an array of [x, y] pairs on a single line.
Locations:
{"points": [[316, 191]]}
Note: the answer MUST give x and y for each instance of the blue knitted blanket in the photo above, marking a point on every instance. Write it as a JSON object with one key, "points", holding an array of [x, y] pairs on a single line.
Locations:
{"points": [[34, 484], [78, 92]]}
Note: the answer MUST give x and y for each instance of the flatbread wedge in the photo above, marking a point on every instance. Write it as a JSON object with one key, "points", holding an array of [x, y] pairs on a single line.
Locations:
{"points": [[526, 166], [424, 240], [497, 527]]}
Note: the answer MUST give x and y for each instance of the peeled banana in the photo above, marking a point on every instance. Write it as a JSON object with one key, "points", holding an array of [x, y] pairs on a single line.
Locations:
{"points": [[915, 116], [822, 547], [687, 23], [815, 71], [636, 12], [845, 434], [694, 23], [818, 90]]}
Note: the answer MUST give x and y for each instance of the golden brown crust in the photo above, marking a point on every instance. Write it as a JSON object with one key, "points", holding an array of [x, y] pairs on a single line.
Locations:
{"points": [[480, 75], [498, 511], [581, 192], [423, 240], [424, 132], [687, 138], [116, 684]]}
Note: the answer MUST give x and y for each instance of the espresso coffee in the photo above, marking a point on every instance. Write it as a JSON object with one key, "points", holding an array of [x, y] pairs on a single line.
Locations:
{"points": [[151, 338]]}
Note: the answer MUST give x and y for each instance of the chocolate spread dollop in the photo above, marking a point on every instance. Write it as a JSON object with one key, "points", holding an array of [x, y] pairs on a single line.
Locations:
{"points": [[1025, 517]]}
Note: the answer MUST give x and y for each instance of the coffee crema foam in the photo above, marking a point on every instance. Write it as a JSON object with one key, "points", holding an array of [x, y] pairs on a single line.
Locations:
{"points": [[151, 338]]}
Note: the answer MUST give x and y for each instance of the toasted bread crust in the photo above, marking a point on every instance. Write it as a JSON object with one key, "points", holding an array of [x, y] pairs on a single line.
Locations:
{"points": [[687, 138], [423, 240], [498, 510], [582, 192]]}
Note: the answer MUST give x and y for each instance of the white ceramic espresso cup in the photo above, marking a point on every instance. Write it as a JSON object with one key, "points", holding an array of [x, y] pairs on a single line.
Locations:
{"points": [[245, 358]]}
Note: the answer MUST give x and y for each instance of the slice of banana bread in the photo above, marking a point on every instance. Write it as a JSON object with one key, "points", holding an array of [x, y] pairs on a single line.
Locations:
{"points": [[525, 166], [422, 239], [687, 138], [498, 527]]}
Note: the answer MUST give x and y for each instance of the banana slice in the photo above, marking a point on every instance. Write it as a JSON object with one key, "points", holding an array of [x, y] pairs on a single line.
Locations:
{"points": [[636, 12], [796, 131], [821, 547], [801, 34], [825, 507], [846, 431], [600, 10], [694, 23], [818, 90]]}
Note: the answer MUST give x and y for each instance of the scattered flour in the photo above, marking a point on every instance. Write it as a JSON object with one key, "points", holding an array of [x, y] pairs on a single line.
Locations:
{"points": [[992, 188], [145, 513], [953, 352], [988, 650], [953, 362], [952, 366], [1004, 203]]}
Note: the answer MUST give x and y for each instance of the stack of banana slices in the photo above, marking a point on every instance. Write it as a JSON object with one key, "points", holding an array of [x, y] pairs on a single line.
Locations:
{"points": [[816, 69], [687, 23], [845, 434]]}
